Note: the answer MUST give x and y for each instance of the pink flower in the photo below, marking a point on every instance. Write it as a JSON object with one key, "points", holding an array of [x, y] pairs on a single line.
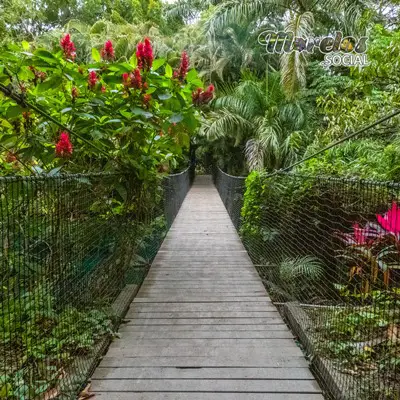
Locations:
{"points": [[64, 146], [183, 68], [390, 221], [92, 80], [68, 47], [107, 52], [144, 54]]}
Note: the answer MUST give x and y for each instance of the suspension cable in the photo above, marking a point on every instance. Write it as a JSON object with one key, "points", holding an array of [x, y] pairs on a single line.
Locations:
{"points": [[336, 143]]}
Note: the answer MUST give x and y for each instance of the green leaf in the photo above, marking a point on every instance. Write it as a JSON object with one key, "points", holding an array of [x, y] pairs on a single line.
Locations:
{"points": [[158, 63], [191, 75], [14, 111], [96, 55], [4, 123], [47, 56], [197, 82], [54, 171], [112, 79], [164, 96], [65, 110], [113, 121], [25, 45], [168, 71], [139, 111], [176, 118], [151, 90], [52, 83]]}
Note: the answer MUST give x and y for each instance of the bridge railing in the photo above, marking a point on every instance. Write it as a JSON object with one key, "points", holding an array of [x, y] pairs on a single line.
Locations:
{"points": [[231, 189], [73, 251], [328, 251]]}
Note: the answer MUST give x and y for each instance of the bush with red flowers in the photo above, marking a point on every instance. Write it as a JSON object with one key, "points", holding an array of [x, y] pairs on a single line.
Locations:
{"points": [[112, 111]]}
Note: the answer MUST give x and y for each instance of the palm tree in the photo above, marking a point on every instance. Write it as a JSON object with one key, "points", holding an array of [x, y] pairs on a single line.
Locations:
{"points": [[255, 117], [302, 17]]}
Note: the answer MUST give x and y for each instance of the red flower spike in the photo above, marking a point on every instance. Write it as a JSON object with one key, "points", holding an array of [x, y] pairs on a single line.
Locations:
{"points": [[183, 68], [107, 52], [144, 54], [146, 100], [136, 79], [125, 79], [92, 80], [64, 146], [68, 47], [74, 93], [10, 158], [201, 97]]}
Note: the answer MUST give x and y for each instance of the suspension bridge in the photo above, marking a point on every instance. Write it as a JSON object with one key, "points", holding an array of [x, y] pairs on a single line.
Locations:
{"points": [[202, 325]]}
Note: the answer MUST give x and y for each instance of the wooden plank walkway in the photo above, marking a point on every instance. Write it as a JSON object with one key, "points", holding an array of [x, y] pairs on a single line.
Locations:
{"points": [[202, 326]]}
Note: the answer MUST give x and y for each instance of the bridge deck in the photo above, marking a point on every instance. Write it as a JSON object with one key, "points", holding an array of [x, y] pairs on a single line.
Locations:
{"points": [[202, 326]]}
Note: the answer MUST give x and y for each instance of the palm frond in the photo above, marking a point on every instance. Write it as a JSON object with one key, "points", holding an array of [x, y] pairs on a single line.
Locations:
{"points": [[307, 268], [293, 65]]}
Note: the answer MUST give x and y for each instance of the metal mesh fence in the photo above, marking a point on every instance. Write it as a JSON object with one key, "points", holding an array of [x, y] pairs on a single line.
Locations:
{"points": [[231, 189], [72, 247], [328, 251]]}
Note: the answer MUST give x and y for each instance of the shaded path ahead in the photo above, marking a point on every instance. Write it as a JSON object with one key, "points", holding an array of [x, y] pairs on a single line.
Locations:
{"points": [[202, 326]]}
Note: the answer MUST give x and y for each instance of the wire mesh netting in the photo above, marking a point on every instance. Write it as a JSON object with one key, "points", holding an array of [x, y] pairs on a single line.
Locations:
{"points": [[328, 251], [70, 247], [231, 189]]}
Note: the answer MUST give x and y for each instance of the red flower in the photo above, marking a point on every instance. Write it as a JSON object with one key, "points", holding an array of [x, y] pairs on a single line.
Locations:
{"points": [[74, 93], [10, 157], [183, 68], [136, 79], [68, 46], [64, 146], [145, 86], [201, 96], [144, 54], [38, 74], [125, 79], [22, 87], [103, 89], [107, 52], [92, 80], [146, 100], [26, 115]]}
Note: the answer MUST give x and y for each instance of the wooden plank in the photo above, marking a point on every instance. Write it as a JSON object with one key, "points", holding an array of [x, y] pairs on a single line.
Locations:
{"points": [[206, 385], [123, 343], [231, 360], [202, 314], [206, 321], [197, 299], [205, 351], [203, 328], [169, 307], [207, 396], [128, 334], [203, 373]]}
